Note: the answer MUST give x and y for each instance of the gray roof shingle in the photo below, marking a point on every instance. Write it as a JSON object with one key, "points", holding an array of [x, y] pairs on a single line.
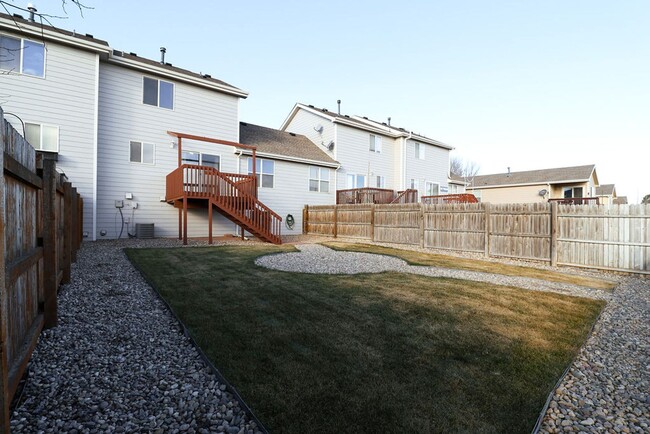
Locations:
{"points": [[281, 143], [544, 176], [605, 190]]}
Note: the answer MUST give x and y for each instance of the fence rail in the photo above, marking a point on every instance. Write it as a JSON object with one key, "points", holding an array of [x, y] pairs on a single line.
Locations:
{"points": [[41, 221], [615, 237]]}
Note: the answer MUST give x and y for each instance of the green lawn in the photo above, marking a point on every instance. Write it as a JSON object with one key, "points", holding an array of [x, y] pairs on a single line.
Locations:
{"points": [[375, 352], [448, 261]]}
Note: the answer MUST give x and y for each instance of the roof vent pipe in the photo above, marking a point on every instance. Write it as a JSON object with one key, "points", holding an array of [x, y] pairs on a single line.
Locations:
{"points": [[338, 102], [32, 10], [508, 171], [389, 121], [163, 50]]}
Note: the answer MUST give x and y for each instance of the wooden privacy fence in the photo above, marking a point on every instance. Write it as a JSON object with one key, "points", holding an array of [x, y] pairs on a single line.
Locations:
{"points": [[41, 221], [615, 237]]}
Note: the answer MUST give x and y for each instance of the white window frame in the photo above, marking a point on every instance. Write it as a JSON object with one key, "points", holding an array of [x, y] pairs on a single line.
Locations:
{"points": [[419, 151], [355, 181], [381, 181], [200, 163], [39, 146], [22, 57], [319, 179], [158, 80], [426, 188], [142, 145], [259, 163], [375, 143], [414, 184]]}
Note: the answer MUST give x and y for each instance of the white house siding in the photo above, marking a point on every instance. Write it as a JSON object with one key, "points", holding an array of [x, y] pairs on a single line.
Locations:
{"points": [[433, 168], [304, 123], [123, 118], [356, 158], [290, 192], [64, 98]]}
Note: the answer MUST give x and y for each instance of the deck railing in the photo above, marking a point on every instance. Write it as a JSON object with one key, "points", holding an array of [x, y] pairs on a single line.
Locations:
{"points": [[406, 196], [235, 194], [449, 198], [364, 195], [577, 201]]}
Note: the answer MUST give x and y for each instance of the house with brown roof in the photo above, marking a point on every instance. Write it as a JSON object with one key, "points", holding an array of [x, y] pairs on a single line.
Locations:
{"points": [[536, 185]]}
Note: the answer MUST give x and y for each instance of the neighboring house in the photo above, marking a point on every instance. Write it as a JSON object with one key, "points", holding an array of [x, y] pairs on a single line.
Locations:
{"points": [[374, 154], [536, 185], [606, 194], [620, 200], [457, 184], [294, 172], [106, 113]]}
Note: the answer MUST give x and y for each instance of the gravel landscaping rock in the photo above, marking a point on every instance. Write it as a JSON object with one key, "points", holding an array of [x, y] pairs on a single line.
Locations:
{"points": [[314, 258], [118, 361]]}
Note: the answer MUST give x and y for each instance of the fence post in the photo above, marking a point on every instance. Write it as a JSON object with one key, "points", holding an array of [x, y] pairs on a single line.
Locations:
{"points": [[554, 231], [372, 222], [67, 231], [74, 221], [5, 399], [487, 230], [336, 212], [49, 243], [421, 225], [305, 220]]}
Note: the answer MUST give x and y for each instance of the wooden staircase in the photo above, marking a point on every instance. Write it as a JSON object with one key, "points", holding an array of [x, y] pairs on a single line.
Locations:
{"points": [[234, 196]]}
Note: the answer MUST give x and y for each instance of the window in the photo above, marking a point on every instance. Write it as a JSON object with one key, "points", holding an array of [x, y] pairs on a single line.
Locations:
{"points": [[265, 170], [572, 192], [200, 159], [158, 92], [22, 56], [42, 137], [142, 152], [432, 189], [419, 151], [375, 143], [413, 184], [381, 181], [356, 181], [319, 179]]}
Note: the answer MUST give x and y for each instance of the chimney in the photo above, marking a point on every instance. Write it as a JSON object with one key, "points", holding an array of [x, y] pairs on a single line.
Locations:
{"points": [[163, 50], [338, 101], [389, 121], [32, 10]]}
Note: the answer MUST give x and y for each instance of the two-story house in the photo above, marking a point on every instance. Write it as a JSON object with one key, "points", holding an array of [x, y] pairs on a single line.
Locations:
{"points": [[374, 154]]}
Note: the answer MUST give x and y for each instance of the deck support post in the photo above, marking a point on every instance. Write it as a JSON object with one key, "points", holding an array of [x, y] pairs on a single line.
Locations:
{"points": [[184, 221], [241, 230], [209, 222], [180, 224]]}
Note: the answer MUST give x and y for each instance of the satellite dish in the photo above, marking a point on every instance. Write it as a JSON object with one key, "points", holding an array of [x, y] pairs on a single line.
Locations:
{"points": [[318, 128], [543, 192], [330, 145]]}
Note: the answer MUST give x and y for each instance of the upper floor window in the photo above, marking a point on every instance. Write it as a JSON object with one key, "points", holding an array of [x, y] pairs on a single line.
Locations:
{"points": [[22, 56], [42, 137], [375, 143], [356, 181], [201, 159], [158, 92], [142, 152], [419, 151], [319, 179], [265, 171]]}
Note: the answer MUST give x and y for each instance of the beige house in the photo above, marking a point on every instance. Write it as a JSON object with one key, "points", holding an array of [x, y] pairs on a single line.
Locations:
{"points": [[536, 185], [606, 194]]}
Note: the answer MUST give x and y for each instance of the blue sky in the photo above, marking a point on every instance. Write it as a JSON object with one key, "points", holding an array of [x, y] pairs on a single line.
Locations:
{"points": [[525, 84]]}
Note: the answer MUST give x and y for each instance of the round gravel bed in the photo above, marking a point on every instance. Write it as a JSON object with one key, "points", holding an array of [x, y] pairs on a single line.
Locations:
{"points": [[119, 361], [314, 258]]}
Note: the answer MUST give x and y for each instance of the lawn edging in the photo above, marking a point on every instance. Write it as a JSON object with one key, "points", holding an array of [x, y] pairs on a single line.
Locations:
{"points": [[540, 418], [205, 358]]}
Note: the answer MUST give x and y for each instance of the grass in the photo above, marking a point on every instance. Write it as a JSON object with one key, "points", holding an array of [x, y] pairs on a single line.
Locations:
{"points": [[382, 352], [447, 261]]}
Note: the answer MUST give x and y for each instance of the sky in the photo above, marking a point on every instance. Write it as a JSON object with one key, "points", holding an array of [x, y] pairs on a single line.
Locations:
{"points": [[520, 84]]}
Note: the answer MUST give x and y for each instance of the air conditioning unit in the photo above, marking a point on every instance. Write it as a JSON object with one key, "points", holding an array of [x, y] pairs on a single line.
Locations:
{"points": [[144, 230]]}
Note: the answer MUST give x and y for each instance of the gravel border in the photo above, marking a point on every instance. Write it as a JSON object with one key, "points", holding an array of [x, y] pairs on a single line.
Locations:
{"points": [[119, 362]]}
